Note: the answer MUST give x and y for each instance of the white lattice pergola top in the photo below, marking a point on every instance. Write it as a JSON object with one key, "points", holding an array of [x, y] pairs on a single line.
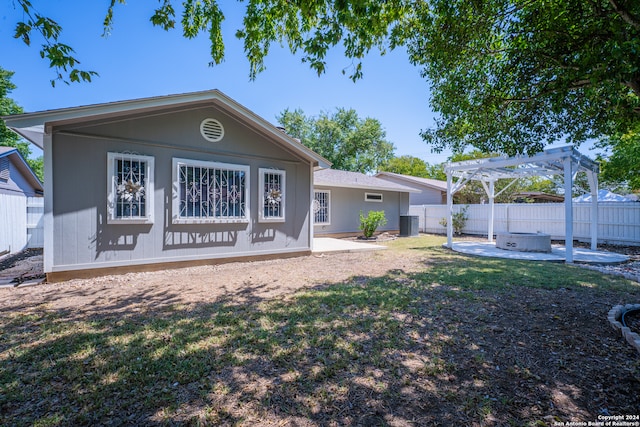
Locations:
{"points": [[566, 161], [549, 162]]}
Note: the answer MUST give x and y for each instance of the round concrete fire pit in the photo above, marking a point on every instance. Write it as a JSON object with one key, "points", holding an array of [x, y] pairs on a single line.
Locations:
{"points": [[524, 242]]}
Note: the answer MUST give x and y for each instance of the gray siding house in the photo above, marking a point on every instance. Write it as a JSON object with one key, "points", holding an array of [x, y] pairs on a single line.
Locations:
{"points": [[180, 179], [430, 191], [340, 196], [18, 183]]}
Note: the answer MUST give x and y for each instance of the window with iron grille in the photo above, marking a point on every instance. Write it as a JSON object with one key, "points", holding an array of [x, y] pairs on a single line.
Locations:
{"points": [[209, 192], [130, 188], [321, 207], [272, 199]]}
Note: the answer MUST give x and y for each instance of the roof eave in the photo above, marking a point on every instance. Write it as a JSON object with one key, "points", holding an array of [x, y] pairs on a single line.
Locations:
{"points": [[412, 182], [365, 187]]}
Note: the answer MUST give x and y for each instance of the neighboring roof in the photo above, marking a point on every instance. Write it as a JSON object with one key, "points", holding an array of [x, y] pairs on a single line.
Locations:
{"points": [[21, 164], [539, 196], [603, 196], [33, 126], [346, 179], [435, 184]]}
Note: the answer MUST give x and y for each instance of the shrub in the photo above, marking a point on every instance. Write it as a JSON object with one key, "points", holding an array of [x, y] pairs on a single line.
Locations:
{"points": [[371, 222], [458, 219]]}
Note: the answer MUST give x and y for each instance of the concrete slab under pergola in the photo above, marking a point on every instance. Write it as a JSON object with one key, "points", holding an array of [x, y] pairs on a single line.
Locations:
{"points": [[565, 161]]}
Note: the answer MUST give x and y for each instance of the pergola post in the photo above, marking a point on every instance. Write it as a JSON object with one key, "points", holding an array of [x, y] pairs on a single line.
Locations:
{"points": [[568, 210], [593, 186], [492, 196], [449, 212]]}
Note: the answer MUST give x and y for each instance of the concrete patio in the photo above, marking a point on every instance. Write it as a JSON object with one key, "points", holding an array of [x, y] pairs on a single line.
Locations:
{"points": [[557, 254], [331, 245]]}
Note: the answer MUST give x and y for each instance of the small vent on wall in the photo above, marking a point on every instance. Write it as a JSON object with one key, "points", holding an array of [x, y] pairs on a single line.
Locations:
{"points": [[212, 130], [4, 169]]}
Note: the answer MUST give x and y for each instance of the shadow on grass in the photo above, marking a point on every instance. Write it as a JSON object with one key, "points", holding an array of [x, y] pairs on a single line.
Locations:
{"points": [[435, 348]]}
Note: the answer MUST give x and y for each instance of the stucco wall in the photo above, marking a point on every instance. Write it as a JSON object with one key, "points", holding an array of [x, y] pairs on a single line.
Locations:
{"points": [[346, 204], [84, 239]]}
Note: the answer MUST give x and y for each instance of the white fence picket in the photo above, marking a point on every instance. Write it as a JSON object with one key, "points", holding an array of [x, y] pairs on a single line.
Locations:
{"points": [[13, 222], [618, 223], [35, 222], [21, 222]]}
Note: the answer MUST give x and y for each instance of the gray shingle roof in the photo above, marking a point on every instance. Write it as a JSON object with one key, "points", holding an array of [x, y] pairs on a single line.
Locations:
{"points": [[414, 180], [338, 178], [4, 149]]}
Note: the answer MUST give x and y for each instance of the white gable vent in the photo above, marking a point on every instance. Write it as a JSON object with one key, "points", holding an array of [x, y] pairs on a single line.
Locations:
{"points": [[212, 130]]}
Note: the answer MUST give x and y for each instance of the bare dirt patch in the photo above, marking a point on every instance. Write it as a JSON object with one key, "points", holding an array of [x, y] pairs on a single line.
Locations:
{"points": [[458, 352], [246, 281]]}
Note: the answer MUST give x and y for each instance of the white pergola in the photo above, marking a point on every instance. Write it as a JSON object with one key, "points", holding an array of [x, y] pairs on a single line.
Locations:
{"points": [[566, 161]]}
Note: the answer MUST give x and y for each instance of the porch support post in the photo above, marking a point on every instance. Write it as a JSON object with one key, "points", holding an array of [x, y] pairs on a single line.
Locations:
{"points": [[568, 210], [48, 249]]}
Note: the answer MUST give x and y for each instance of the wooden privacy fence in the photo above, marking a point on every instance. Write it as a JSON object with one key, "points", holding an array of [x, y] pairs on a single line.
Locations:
{"points": [[618, 223], [21, 222]]}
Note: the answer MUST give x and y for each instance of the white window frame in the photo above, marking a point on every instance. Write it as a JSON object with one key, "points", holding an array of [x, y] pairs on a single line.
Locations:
{"points": [[263, 196], [375, 200], [328, 207], [177, 219], [112, 189]]}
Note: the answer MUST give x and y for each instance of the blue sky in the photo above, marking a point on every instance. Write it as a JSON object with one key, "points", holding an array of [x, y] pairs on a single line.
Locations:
{"points": [[138, 60]]}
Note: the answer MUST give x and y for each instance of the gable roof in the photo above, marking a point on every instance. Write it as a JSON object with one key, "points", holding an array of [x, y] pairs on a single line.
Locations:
{"points": [[346, 179], [21, 164], [413, 181], [33, 126]]}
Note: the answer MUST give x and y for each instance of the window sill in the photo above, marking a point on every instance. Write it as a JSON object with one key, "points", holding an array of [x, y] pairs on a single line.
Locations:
{"points": [[209, 221], [130, 221], [268, 220]]}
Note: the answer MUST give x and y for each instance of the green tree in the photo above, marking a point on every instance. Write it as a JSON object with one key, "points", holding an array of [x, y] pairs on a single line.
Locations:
{"points": [[347, 141], [310, 27], [7, 107], [541, 184], [436, 171], [506, 76], [9, 138], [511, 77], [623, 165], [406, 165]]}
